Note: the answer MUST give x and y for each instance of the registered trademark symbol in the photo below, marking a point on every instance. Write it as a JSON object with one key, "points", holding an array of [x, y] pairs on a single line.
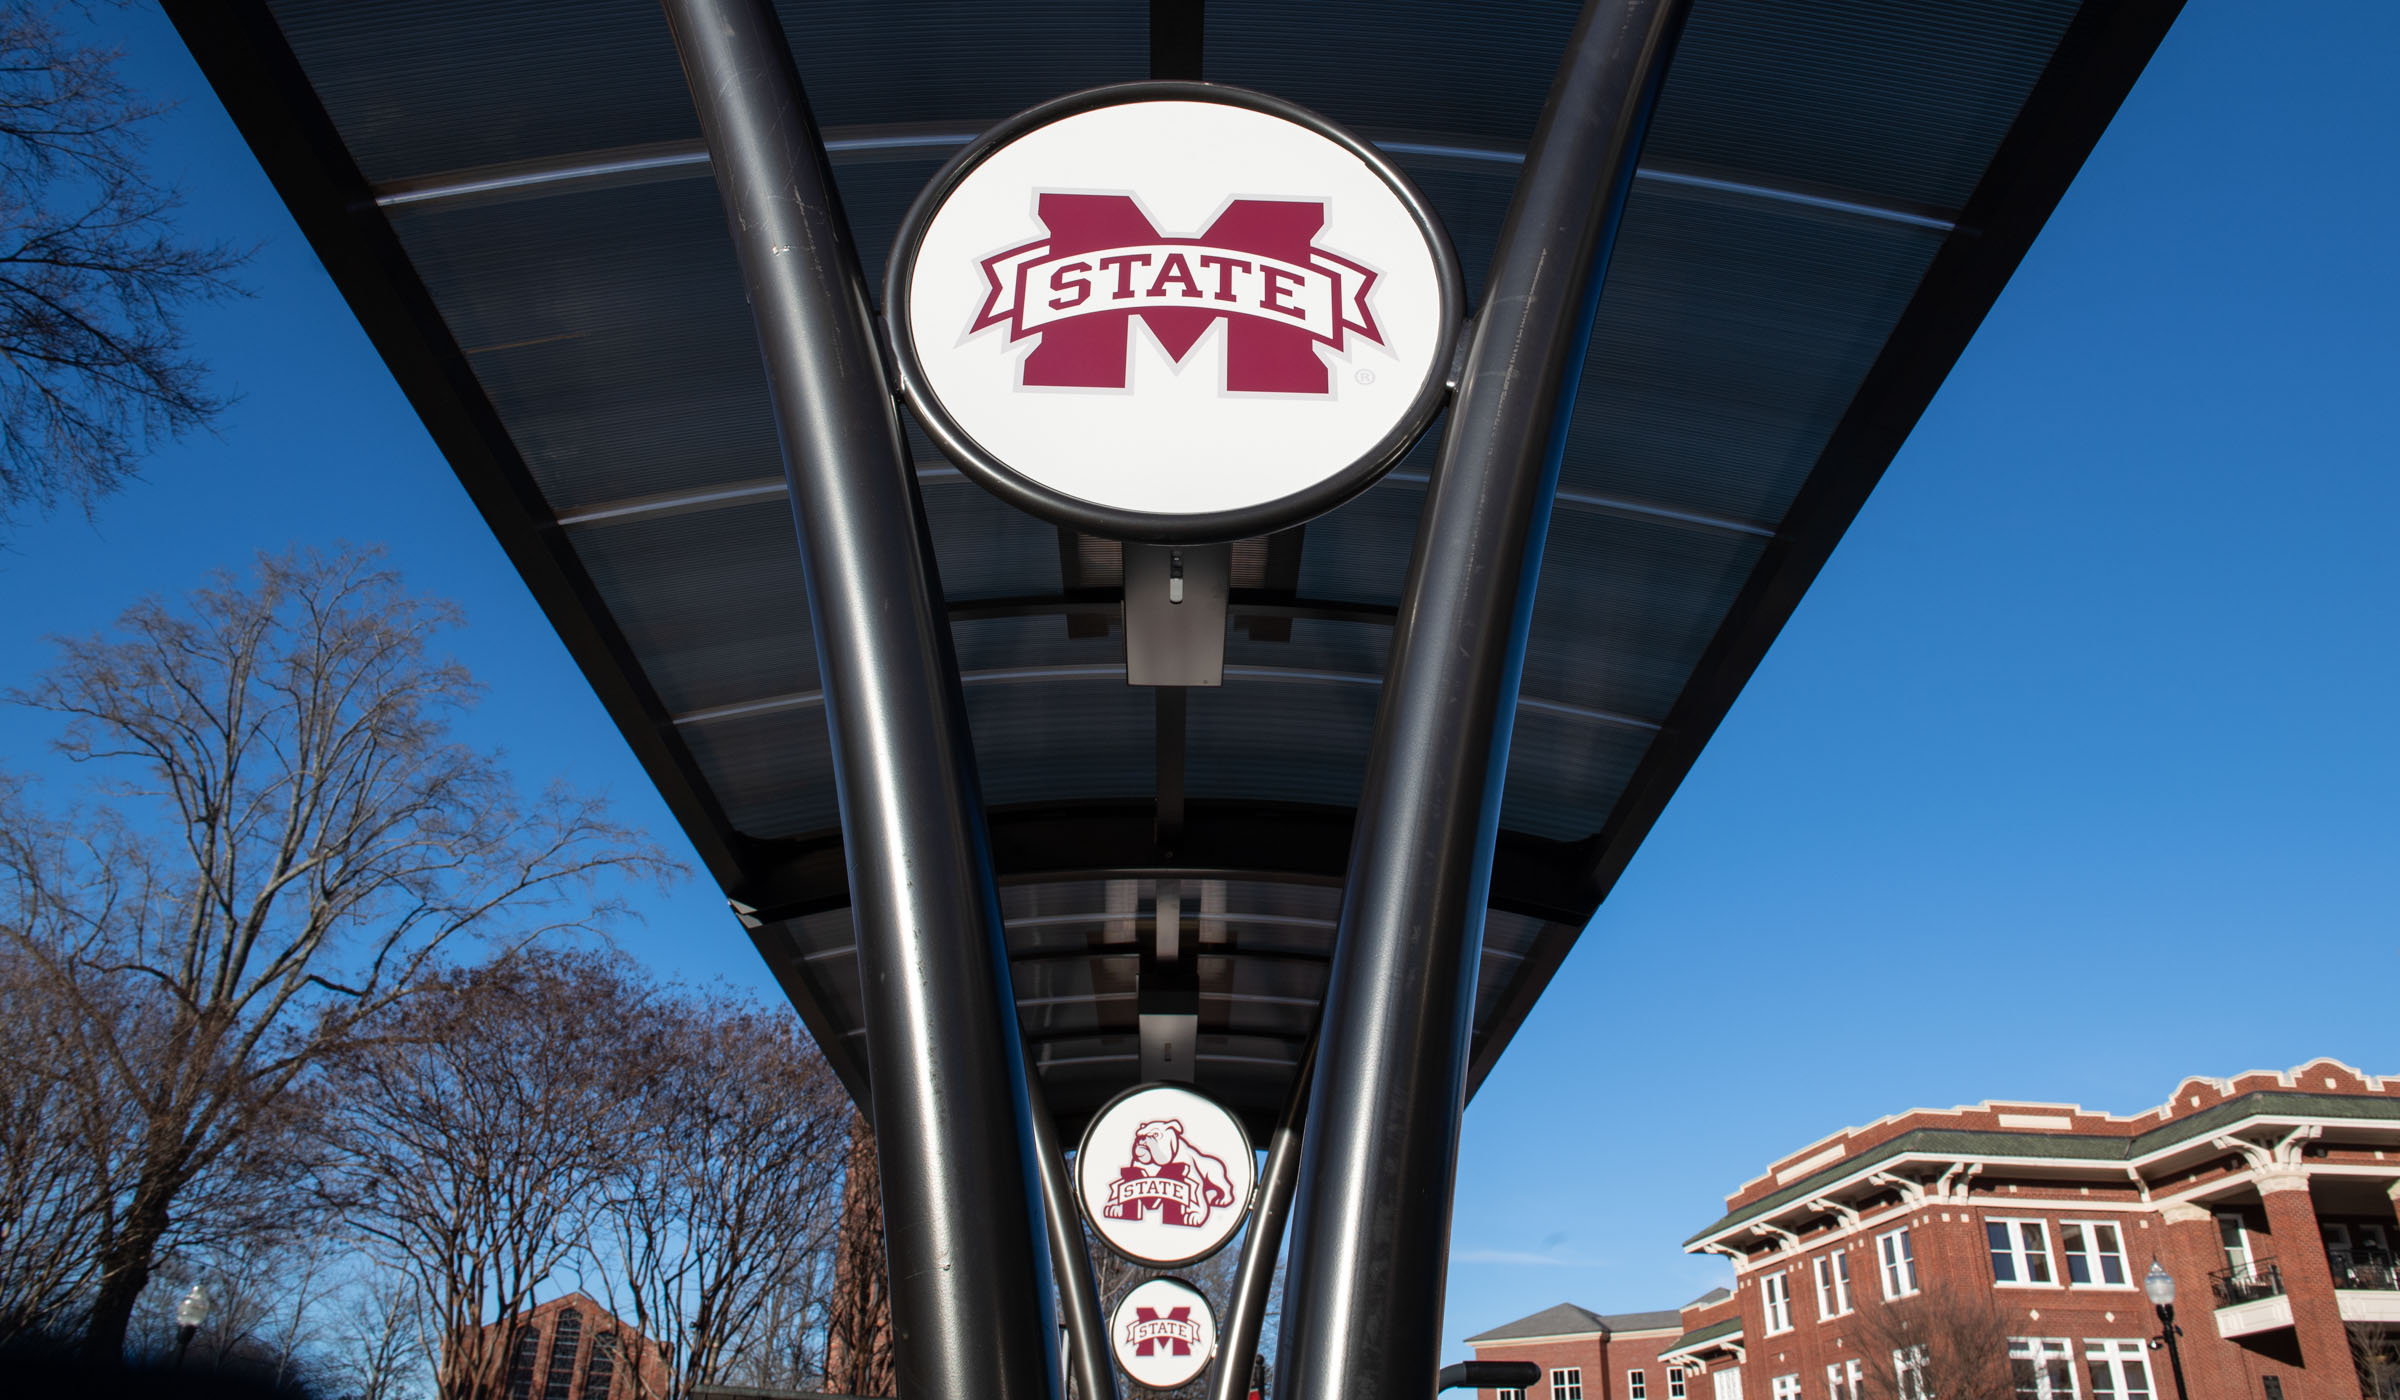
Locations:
{"points": [[1366, 376]]}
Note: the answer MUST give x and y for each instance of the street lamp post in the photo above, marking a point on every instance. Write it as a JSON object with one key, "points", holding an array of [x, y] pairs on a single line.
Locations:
{"points": [[189, 1314], [2160, 1285]]}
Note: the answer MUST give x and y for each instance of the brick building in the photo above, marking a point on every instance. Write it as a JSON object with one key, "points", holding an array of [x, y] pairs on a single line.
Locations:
{"points": [[571, 1348], [2267, 1198], [1591, 1356]]}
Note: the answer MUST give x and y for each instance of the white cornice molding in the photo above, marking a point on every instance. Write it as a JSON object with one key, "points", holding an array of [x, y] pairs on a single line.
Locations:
{"points": [[1846, 1214]]}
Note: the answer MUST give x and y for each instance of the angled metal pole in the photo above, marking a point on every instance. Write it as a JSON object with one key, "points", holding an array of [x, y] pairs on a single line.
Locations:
{"points": [[1078, 1289], [970, 1264], [1254, 1278], [1370, 1242]]}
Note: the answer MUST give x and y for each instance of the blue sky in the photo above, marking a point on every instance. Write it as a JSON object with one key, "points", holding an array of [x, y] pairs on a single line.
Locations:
{"points": [[2073, 775]]}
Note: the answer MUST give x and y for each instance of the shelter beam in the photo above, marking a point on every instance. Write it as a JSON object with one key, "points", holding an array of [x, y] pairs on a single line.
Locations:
{"points": [[1363, 1302], [969, 1255], [1078, 1287], [1262, 1240]]}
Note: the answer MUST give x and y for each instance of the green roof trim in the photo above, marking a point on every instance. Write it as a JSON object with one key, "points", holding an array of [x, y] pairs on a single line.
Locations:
{"points": [[1700, 1336], [1977, 1142]]}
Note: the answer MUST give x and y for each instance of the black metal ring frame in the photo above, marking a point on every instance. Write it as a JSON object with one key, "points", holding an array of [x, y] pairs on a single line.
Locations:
{"points": [[1090, 517], [1082, 1145]]}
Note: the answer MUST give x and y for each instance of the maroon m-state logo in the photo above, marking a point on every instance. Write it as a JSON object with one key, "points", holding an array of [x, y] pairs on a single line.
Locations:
{"points": [[1174, 1334], [1256, 268]]}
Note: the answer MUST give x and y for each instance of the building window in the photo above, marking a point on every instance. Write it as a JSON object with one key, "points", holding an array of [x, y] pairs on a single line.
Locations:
{"points": [[2095, 1253], [2020, 1250], [1899, 1264], [1567, 1383], [2373, 1244], [2235, 1236], [1637, 1387], [1728, 1383], [520, 1363], [1908, 1368], [1833, 1284], [1508, 1394], [2044, 1368], [1776, 1290], [1787, 1387], [1842, 1380], [601, 1370], [566, 1338], [2120, 1370], [1675, 1383]]}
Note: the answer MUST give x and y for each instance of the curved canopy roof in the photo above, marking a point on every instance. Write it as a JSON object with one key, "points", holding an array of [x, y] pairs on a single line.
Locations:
{"points": [[513, 196]]}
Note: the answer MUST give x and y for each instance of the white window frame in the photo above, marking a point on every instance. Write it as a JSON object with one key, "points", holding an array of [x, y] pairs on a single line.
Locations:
{"points": [[2091, 1257], [2241, 1231], [1637, 1385], [1505, 1393], [1844, 1379], [1775, 1295], [2022, 1254], [1566, 1383], [2110, 1357], [1832, 1273], [1675, 1383], [1788, 1387], [1897, 1263], [1908, 1372], [2046, 1353]]}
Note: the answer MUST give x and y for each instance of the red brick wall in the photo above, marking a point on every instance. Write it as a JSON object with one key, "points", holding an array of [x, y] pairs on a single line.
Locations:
{"points": [[2311, 1359]]}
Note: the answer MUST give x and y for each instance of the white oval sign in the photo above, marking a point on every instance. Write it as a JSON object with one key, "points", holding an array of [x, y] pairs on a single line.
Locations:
{"points": [[1173, 312], [1163, 1333], [1165, 1175]]}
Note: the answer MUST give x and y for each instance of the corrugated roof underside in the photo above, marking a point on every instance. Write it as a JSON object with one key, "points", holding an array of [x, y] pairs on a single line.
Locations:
{"points": [[607, 327]]}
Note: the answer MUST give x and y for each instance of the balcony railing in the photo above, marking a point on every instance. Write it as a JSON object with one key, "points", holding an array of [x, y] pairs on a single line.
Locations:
{"points": [[2246, 1283], [2363, 1270]]}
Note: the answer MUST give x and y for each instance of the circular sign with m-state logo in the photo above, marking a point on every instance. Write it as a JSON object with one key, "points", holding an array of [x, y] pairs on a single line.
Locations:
{"points": [[1163, 1333], [1165, 1174], [1173, 312]]}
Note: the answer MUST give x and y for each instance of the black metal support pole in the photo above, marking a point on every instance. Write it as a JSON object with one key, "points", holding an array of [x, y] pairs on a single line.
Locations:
{"points": [[970, 1263], [1254, 1277], [1087, 1329], [2169, 1331], [1370, 1242]]}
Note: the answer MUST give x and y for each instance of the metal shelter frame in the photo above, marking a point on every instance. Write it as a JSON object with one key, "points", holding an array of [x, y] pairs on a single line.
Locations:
{"points": [[1364, 1150]]}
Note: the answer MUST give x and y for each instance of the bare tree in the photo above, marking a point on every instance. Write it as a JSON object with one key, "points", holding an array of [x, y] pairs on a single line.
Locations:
{"points": [[481, 1124], [858, 1332], [293, 835], [784, 1347], [93, 280], [374, 1343], [735, 1185], [2375, 1349], [1946, 1342], [268, 1298], [58, 1148]]}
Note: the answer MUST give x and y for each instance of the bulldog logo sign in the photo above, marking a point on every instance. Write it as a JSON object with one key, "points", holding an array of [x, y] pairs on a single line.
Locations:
{"points": [[1173, 312], [1169, 1176], [1165, 1175], [1163, 1333]]}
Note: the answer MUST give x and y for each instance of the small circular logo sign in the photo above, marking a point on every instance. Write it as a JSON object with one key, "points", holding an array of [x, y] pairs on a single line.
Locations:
{"points": [[1173, 312], [1165, 1175], [1163, 1333]]}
